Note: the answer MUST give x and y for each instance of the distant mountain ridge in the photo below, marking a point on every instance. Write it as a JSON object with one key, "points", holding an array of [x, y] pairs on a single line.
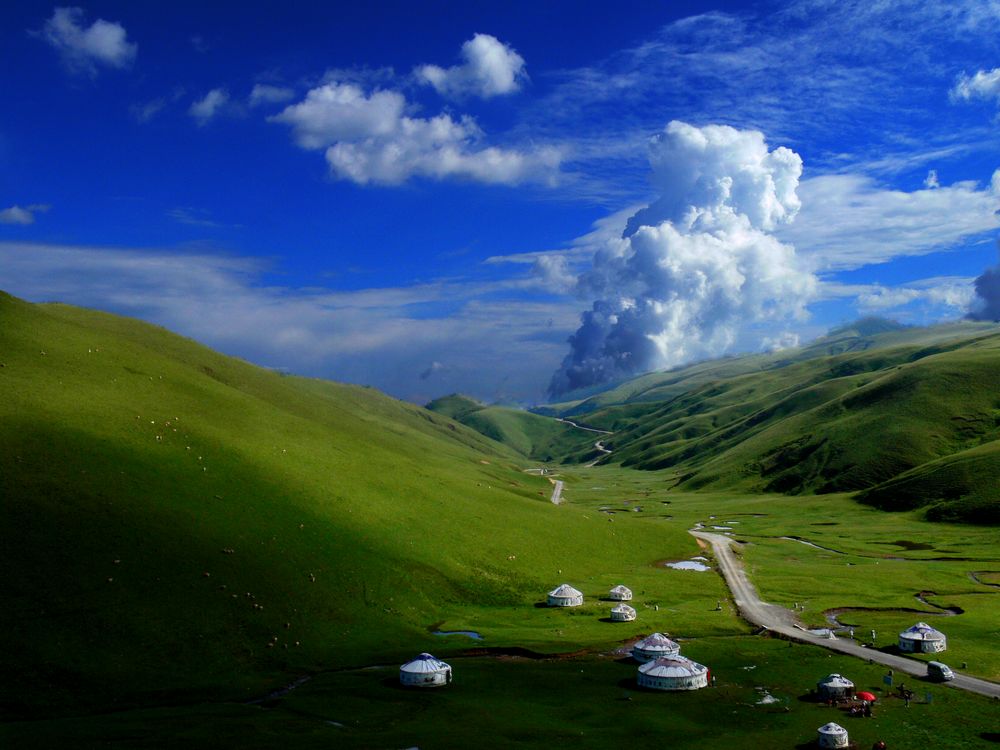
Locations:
{"points": [[910, 417]]}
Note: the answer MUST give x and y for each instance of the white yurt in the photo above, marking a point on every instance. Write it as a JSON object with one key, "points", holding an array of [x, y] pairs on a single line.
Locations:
{"points": [[565, 596], [622, 613], [832, 735], [425, 671], [673, 673], [834, 686], [653, 647], [922, 639], [620, 594]]}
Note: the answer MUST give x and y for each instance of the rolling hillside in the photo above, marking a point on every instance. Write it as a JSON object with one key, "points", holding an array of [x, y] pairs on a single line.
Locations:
{"points": [[179, 525], [912, 416], [538, 437]]}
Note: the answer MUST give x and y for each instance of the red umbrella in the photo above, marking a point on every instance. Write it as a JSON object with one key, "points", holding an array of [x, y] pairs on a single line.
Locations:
{"points": [[866, 696]]}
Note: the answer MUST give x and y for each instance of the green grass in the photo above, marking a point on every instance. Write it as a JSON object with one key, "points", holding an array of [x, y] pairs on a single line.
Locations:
{"points": [[169, 512], [537, 437], [863, 567], [909, 416], [588, 702], [337, 527]]}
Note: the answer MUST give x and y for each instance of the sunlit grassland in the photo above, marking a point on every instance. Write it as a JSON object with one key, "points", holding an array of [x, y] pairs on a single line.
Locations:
{"points": [[873, 559]]}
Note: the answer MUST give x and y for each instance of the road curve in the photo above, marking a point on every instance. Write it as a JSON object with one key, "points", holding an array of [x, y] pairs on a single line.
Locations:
{"points": [[581, 427], [783, 621], [557, 487]]}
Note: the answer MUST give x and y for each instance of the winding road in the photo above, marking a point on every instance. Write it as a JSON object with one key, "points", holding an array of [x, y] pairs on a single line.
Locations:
{"points": [[783, 621]]}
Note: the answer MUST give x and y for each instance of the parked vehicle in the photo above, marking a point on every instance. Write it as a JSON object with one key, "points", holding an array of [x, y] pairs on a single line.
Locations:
{"points": [[940, 672]]}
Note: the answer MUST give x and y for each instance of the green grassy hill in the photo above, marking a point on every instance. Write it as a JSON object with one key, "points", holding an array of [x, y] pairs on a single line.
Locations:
{"points": [[541, 438], [179, 525], [861, 336], [853, 411]]}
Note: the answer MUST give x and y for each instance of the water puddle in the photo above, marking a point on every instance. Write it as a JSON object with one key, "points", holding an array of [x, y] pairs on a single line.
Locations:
{"points": [[689, 565]]}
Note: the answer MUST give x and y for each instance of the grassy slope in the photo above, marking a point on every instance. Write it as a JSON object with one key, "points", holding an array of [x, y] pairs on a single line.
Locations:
{"points": [[168, 512], [845, 422], [538, 437], [861, 336]]}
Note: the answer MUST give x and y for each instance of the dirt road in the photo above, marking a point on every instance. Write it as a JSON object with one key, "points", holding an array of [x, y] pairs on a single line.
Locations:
{"points": [[784, 621], [557, 487]]}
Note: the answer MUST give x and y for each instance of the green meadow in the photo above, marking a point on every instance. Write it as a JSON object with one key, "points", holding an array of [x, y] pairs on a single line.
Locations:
{"points": [[185, 534]]}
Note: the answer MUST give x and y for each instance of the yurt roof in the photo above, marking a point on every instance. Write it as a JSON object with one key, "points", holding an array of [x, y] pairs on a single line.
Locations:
{"points": [[623, 608], [565, 590], [922, 632], [672, 666], [836, 680], [424, 664], [832, 728], [621, 589], [657, 641]]}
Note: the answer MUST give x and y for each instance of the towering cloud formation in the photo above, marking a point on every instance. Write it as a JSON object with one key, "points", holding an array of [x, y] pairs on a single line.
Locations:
{"points": [[986, 304], [695, 266]]}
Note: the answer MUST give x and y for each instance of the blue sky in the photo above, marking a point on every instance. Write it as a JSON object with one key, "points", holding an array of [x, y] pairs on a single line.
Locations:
{"points": [[427, 199]]}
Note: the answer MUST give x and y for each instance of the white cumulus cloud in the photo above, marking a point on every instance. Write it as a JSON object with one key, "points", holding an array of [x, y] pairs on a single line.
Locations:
{"points": [[82, 47], [490, 68], [369, 138], [985, 84], [205, 109], [698, 265]]}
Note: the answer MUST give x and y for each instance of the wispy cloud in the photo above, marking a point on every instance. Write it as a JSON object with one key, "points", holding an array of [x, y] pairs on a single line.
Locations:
{"points": [[206, 109], [195, 217], [22, 215], [849, 220], [815, 76], [264, 93], [491, 338], [85, 48], [144, 112]]}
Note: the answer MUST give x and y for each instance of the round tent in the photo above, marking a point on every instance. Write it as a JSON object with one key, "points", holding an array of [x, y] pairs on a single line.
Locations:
{"points": [[620, 594], [653, 647], [922, 639], [673, 673], [565, 596], [425, 671], [834, 686], [832, 735], [622, 613]]}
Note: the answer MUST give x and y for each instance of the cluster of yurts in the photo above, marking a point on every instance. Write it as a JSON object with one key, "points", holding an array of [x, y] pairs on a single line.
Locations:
{"points": [[661, 665]]}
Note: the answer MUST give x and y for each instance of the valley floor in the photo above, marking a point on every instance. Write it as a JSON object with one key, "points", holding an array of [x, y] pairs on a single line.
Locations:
{"points": [[830, 561]]}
